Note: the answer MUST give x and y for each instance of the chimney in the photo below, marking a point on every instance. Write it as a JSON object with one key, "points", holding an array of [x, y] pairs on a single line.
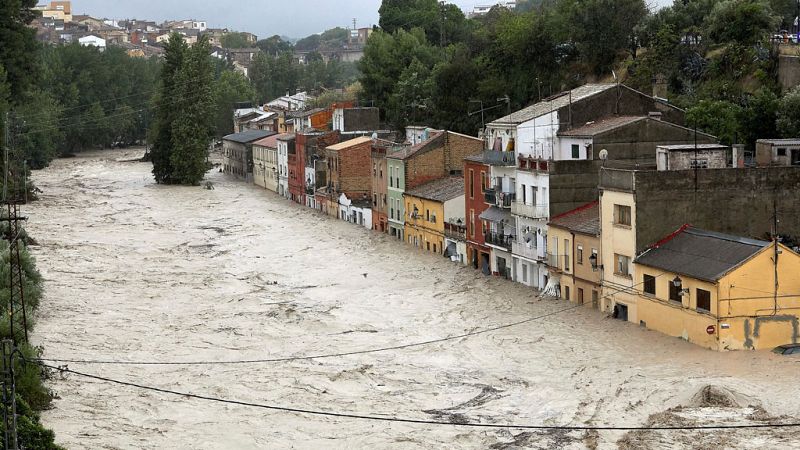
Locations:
{"points": [[655, 115]]}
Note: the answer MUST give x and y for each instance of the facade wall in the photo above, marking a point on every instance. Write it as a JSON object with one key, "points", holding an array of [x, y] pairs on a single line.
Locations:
{"points": [[297, 169], [537, 138], [350, 170], [380, 192], [424, 167], [616, 239], [265, 167], [456, 148], [476, 176], [395, 190], [235, 159], [733, 201], [426, 231], [715, 159]]}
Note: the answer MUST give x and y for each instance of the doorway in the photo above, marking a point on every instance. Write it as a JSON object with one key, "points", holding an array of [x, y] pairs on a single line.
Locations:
{"points": [[620, 312]]}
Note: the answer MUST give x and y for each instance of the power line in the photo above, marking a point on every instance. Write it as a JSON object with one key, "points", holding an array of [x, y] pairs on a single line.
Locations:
{"points": [[344, 415]]}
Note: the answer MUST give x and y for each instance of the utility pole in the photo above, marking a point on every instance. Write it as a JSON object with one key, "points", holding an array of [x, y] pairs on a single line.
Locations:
{"points": [[441, 24]]}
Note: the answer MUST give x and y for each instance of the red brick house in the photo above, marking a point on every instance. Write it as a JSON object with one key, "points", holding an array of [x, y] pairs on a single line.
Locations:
{"points": [[476, 180], [349, 172]]}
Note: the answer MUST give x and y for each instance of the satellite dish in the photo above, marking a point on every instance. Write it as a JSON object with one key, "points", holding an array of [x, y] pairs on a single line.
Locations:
{"points": [[603, 154]]}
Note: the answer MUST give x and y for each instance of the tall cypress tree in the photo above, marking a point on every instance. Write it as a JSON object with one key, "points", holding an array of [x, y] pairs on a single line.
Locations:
{"points": [[166, 110], [193, 127]]}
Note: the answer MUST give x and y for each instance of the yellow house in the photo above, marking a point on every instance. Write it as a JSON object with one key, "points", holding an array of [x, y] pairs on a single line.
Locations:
{"points": [[720, 291], [573, 254], [265, 163], [428, 207]]}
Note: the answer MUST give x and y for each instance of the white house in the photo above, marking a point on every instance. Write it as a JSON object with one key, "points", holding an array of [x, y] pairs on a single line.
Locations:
{"points": [[359, 213], [93, 41], [285, 145]]}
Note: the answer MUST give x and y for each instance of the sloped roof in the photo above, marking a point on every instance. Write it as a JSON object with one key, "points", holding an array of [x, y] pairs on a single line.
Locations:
{"points": [[779, 141], [435, 140], [286, 137], [584, 220], [602, 126], [440, 190], [245, 137], [269, 141], [552, 104], [350, 143], [700, 254]]}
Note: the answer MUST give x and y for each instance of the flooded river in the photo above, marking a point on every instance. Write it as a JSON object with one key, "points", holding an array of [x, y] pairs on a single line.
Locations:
{"points": [[139, 272]]}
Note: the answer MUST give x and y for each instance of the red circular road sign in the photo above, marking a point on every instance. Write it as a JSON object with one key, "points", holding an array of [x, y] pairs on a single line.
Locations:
{"points": [[711, 329]]}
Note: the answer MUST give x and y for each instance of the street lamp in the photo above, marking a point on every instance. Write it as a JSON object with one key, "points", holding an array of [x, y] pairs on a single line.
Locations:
{"points": [[678, 283], [593, 262]]}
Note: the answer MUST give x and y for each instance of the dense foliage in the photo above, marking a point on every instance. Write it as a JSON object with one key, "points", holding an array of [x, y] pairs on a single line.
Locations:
{"points": [[430, 65], [184, 122]]}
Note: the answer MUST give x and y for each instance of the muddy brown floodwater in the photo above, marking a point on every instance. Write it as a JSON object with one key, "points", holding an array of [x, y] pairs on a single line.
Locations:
{"points": [[140, 272]]}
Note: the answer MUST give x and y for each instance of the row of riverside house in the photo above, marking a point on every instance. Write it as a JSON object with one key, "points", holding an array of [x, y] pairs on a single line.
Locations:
{"points": [[599, 196]]}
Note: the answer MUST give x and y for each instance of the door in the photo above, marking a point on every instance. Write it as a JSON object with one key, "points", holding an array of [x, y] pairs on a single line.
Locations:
{"points": [[620, 312]]}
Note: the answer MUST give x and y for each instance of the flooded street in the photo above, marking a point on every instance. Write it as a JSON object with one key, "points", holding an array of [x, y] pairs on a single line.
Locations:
{"points": [[139, 272]]}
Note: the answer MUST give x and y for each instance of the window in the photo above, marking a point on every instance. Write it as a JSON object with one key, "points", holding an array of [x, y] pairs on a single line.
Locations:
{"points": [[579, 255], [434, 248], [390, 176], [698, 163], [524, 194], [428, 215], [649, 284], [472, 223], [703, 300], [429, 246], [483, 182], [374, 169], [566, 292], [781, 152], [595, 297], [374, 199], [622, 215], [674, 293], [623, 263], [380, 172], [534, 192], [397, 181], [566, 255], [576, 151], [471, 184], [524, 273]]}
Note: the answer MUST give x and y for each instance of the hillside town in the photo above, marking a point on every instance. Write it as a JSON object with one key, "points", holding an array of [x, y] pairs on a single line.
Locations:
{"points": [[600, 196]]}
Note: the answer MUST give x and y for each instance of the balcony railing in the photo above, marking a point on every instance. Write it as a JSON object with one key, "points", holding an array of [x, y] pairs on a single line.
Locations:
{"points": [[554, 262], [455, 231], [490, 196], [519, 208], [533, 164], [505, 199], [494, 158], [522, 249], [500, 240]]}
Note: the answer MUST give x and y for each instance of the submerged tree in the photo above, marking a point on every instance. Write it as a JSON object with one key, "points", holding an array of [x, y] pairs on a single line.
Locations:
{"points": [[165, 112], [193, 127]]}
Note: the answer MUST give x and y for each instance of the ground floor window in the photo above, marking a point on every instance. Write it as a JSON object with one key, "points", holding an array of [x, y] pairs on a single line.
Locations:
{"points": [[703, 300]]}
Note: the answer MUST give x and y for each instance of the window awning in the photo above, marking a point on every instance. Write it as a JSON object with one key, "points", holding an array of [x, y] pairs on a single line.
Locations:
{"points": [[495, 214]]}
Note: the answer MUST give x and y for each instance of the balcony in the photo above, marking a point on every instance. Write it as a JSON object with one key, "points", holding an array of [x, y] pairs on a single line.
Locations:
{"points": [[554, 262], [505, 199], [533, 164], [522, 249], [490, 196], [503, 159], [455, 231], [499, 240], [496, 197], [519, 208]]}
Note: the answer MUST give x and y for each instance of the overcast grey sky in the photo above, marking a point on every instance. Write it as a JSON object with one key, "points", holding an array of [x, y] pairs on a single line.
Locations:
{"points": [[294, 18]]}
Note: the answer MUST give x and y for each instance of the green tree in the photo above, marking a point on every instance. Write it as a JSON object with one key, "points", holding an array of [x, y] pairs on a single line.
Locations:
{"points": [[193, 126], [234, 40], [442, 23], [166, 112], [274, 46], [744, 22], [602, 28], [759, 117], [717, 117], [231, 87], [18, 45], [788, 122]]}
